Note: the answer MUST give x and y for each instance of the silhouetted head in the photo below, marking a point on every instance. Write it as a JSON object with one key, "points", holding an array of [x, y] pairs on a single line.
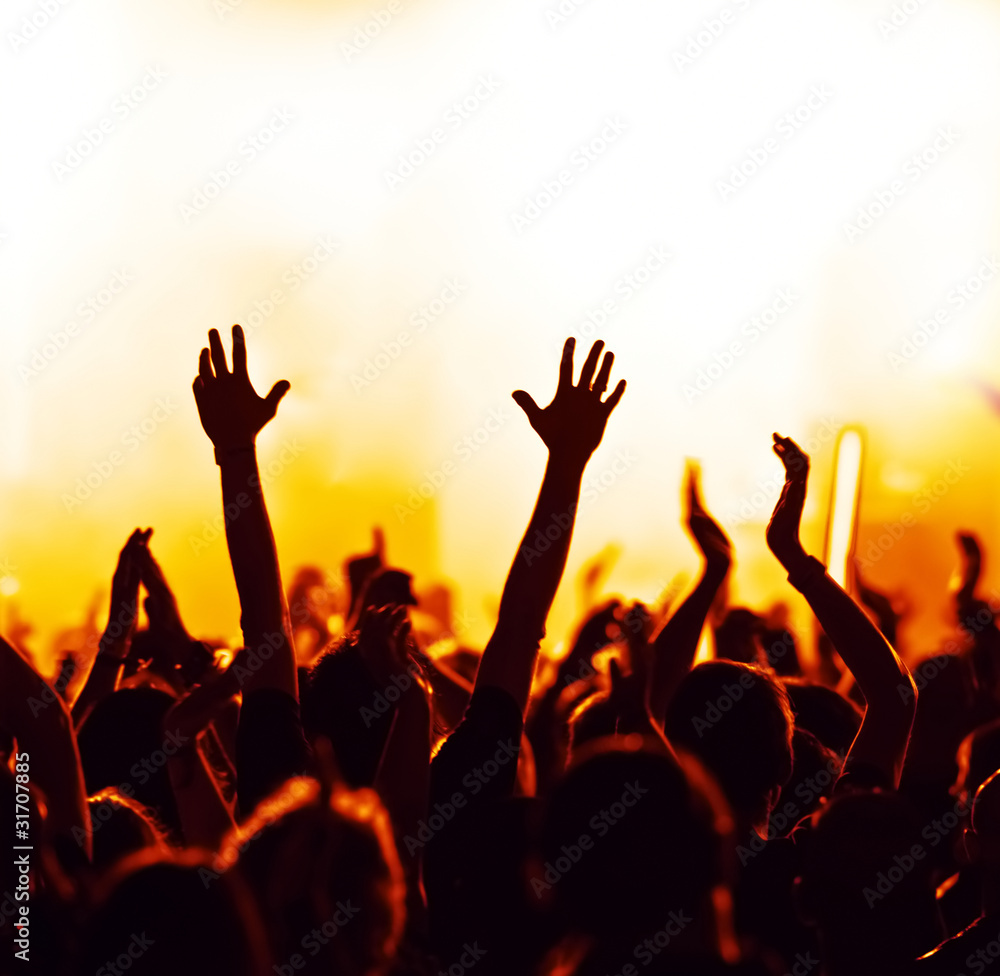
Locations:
{"points": [[824, 712], [866, 883], [780, 651], [986, 821], [475, 881], [157, 916], [942, 722], [120, 826], [121, 742], [327, 866], [629, 836], [737, 638], [737, 720], [594, 718], [978, 758], [342, 702], [815, 769], [359, 570], [389, 586]]}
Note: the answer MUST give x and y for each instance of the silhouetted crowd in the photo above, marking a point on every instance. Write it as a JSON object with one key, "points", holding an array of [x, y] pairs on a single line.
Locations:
{"points": [[354, 791]]}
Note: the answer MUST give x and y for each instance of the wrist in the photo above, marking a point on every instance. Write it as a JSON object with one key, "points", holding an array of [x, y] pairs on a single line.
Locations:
{"points": [[805, 571], [230, 452], [717, 569], [569, 462], [792, 557]]}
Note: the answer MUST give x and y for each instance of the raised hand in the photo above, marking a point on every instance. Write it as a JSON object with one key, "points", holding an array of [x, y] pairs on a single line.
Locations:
{"points": [[572, 425], [125, 595], [676, 645], [230, 410], [783, 529], [161, 605], [233, 414], [706, 532], [115, 643], [882, 677], [176, 656], [593, 636]]}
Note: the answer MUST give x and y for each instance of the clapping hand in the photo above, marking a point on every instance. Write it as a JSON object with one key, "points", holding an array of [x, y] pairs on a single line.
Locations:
{"points": [[783, 529], [706, 532]]}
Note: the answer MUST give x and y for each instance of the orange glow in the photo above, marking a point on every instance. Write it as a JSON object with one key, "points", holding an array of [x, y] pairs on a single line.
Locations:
{"points": [[328, 245]]}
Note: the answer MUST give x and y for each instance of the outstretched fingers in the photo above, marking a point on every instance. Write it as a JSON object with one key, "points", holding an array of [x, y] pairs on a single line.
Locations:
{"points": [[616, 395], [566, 365], [527, 403], [590, 364], [239, 352], [218, 353], [275, 396], [604, 374], [205, 373]]}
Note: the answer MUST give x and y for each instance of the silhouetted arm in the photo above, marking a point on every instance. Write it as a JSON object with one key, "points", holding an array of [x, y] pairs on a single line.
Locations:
{"points": [[175, 655], [571, 427], [39, 720], [882, 677], [113, 647], [232, 415], [547, 726], [676, 644], [204, 813]]}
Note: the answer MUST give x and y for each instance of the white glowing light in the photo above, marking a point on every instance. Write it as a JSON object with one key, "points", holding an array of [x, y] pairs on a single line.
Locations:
{"points": [[842, 524]]}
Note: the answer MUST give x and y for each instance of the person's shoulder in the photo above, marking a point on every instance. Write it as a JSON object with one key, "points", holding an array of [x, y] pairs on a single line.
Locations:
{"points": [[949, 957], [490, 730]]}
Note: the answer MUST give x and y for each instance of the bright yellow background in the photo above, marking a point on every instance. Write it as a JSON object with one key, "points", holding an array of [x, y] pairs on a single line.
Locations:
{"points": [[362, 452]]}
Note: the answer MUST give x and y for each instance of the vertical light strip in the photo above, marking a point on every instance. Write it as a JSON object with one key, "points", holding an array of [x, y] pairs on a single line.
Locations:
{"points": [[842, 527]]}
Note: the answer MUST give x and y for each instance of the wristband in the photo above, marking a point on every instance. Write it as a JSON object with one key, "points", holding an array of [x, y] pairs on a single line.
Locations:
{"points": [[810, 570], [232, 451]]}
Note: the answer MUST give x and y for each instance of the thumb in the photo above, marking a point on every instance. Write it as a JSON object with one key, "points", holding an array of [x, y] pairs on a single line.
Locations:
{"points": [[691, 487], [277, 392], [526, 402]]}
